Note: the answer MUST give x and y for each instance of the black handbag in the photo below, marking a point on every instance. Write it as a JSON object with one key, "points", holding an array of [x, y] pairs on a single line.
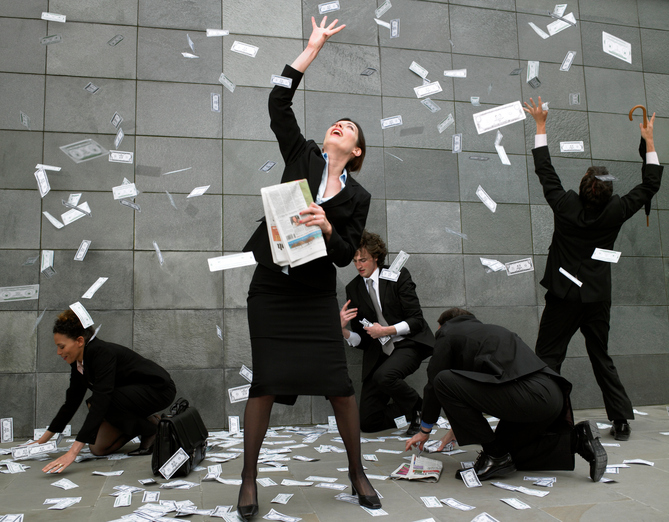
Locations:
{"points": [[181, 428]]}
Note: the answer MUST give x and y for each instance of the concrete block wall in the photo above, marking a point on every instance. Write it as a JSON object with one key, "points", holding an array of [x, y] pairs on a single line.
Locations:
{"points": [[418, 185]]}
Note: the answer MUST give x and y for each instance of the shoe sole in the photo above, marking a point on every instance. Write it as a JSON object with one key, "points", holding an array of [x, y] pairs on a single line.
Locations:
{"points": [[502, 472], [600, 460]]}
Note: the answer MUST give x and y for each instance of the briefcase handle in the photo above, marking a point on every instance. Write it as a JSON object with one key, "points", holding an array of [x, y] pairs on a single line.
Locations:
{"points": [[178, 407]]}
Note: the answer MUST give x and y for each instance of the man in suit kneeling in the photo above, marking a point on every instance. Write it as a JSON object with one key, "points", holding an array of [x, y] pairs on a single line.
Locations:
{"points": [[395, 342], [483, 368]]}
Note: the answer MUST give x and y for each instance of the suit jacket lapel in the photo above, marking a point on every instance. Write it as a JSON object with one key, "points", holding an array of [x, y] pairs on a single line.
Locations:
{"points": [[366, 299]]}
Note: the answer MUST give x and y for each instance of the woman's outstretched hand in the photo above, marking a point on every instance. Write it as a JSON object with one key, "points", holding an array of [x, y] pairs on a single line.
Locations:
{"points": [[320, 33]]}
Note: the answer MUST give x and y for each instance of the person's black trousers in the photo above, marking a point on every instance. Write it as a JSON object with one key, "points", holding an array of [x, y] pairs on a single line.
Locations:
{"points": [[387, 382], [526, 407], [559, 322], [131, 405]]}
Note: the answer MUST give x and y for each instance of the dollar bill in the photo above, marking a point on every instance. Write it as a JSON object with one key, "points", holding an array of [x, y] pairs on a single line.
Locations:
{"points": [[571, 146], [451, 502], [328, 7], [246, 372], [366, 323], [500, 149], [198, 191], [128, 203], [46, 263], [519, 267], [52, 39], [63, 503], [427, 89], [53, 17], [616, 47], [327, 485], [125, 191], [382, 9], [456, 144], [82, 250], [73, 199], [92, 88], [215, 102], [84, 150], [568, 60], [401, 422], [151, 496], [532, 492], [370, 458], [484, 517], [572, 278], [533, 73], [22, 452], [42, 182], [78, 210], [116, 120], [173, 464], [246, 49], [470, 478], [445, 124], [146, 482], [239, 394], [475, 101], [275, 515], [233, 424], [217, 32], [282, 81], [219, 332], [456, 73], [399, 261], [231, 261], [82, 314], [420, 71], [395, 28], [115, 41], [267, 166], [559, 9], [226, 82], [431, 502], [456, 233], [575, 98], [391, 121], [266, 482], [282, 498], [119, 138], [171, 199], [561, 23], [159, 253], [24, 119], [539, 31], [498, 117], [515, 72], [119, 156], [124, 499], [53, 220], [486, 199], [433, 107], [368, 71], [108, 473], [189, 55], [6, 424], [190, 42], [609, 256], [94, 287]]}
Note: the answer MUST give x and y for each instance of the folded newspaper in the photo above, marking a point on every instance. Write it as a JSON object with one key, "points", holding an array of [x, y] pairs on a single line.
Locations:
{"points": [[292, 243], [419, 468]]}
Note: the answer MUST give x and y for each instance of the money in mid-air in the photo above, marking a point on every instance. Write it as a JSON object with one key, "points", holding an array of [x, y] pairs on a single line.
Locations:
{"points": [[53, 39], [9, 294], [533, 74], [246, 372], [427, 89], [128, 190], [7, 424], [215, 102], [198, 191], [609, 256], [475, 101], [84, 150], [82, 314], [128, 203], [445, 124], [158, 253], [282, 81], [53, 220], [53, 17], [267, 166], [119, 138], [456, 144], [456, 73], [82, 250], [42, 182], [519, 267], [231, 261], [571, 277], [239, 394], [433, 107], [515, 72], [574, 98], [616, 47], [173, 464], [116, 120], [391, 121], [226, 82], [94, 287], [382, 9], [189, 55], [328, 7], [498, 117], [90, 87], [399, 261], [568, 60], [368, 72], [486, 199], [500, 149], [115, 41], [119, 156], [217, 32], [571, 146], [24, 119], [46, 264], [539, 31], [561, 23], [395, 28], [242, 48], [420, 71], [76, 213]]}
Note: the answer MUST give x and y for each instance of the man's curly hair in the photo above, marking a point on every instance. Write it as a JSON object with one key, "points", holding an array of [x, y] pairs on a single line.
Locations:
{"points": [[374, 245], [594, 192]]}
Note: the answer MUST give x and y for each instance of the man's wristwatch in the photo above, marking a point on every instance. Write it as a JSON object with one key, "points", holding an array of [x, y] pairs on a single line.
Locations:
{"points": [[425, 432]]}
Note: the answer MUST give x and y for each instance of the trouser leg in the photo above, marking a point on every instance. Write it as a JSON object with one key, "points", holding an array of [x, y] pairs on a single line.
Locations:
{"points": [[390, 379], [559, 323]]}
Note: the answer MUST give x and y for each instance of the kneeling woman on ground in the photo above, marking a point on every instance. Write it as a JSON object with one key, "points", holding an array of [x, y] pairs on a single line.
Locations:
{"points": [[127, 391]]}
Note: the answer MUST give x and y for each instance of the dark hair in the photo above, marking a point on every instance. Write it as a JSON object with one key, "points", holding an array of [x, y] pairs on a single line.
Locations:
{"points": [[594, 192], [374, 245], [68, 324], [355, 164], [451, 313]]}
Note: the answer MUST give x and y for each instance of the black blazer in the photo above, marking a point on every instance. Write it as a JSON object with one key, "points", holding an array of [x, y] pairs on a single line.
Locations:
{"points": [[107, 366], [399, 302], [577, 231], [347, 211], [485, 353]]}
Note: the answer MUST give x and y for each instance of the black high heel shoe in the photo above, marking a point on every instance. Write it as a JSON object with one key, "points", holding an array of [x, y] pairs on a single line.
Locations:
{"points": [[368, 501], [248, 511]]}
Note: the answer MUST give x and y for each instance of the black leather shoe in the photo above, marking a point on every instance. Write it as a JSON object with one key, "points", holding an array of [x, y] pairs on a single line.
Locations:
{"points": [[621, 430], [368, 501], [590, 448], [140, 452], [488, 467], [250, 510], [414, 427]]}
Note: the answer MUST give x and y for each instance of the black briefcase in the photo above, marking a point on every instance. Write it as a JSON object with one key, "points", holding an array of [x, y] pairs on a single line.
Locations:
{"points": [[181, 428]]}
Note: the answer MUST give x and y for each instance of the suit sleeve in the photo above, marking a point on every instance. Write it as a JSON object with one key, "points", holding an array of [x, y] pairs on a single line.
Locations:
{"points": [[355, 325], [651, 176], [550, 181], [411, 310], [344, 241], [104, 368], [282, 118], [73, 397], [441, 360]]}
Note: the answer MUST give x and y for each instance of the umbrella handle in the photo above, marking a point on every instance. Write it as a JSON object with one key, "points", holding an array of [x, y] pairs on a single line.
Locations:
{"points": [[645, 117]]}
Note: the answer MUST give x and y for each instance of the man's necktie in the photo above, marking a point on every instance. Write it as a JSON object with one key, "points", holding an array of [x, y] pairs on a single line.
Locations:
{"points": [[389, 346]]}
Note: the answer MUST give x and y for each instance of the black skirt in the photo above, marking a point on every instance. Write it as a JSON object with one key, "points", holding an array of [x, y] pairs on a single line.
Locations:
{"points": [[296, 339]]}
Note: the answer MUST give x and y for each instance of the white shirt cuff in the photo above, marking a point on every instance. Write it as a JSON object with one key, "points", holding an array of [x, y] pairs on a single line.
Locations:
{"points": [[540, 140], [402, 328], [353, 339], [652, 159]]}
